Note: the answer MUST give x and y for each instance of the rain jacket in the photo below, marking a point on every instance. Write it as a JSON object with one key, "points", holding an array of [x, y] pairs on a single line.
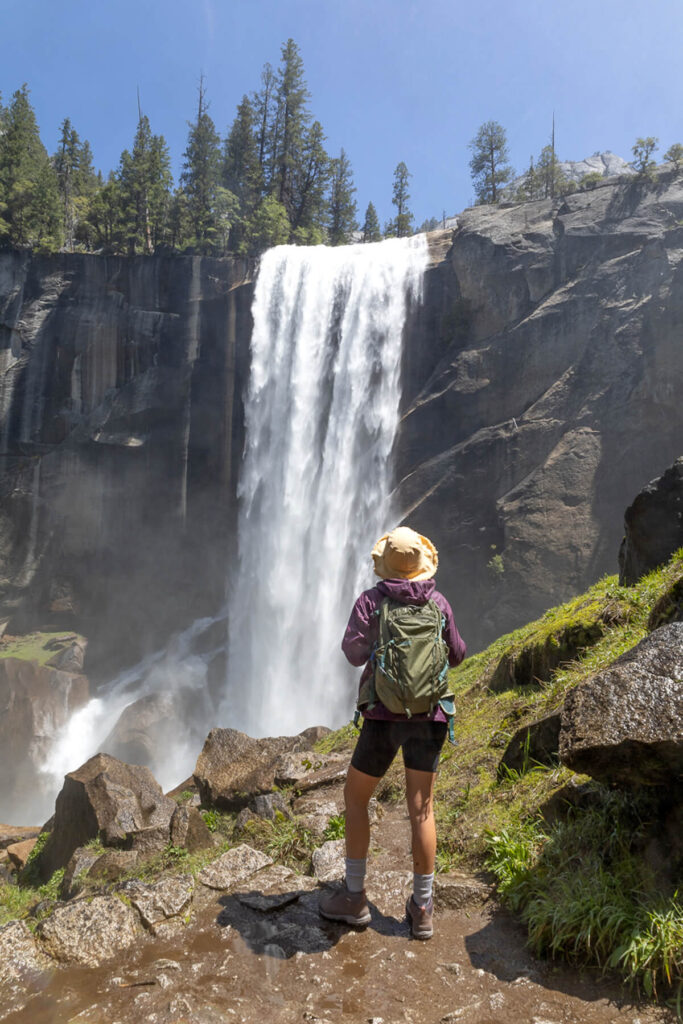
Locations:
{"points": [[362, 633]]}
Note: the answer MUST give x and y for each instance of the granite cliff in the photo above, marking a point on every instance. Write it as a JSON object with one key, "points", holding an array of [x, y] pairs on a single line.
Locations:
{"points": [[542, 383]]}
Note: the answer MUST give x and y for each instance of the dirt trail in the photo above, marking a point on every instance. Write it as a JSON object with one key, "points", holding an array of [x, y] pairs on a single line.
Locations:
{"points": [[237, 963]]}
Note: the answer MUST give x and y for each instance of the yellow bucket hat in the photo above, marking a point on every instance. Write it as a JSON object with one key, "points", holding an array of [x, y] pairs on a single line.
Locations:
{"points": [[405, 555]]}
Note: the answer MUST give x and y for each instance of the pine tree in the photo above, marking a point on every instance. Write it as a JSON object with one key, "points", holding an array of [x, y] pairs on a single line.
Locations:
{"points": [[269, 226], [403, 222], [489, 164], [264, 105], [242, 171], [104, 215], [642, 154], [200, 177], [371, 231], [145, 189], [28, 183], [530, 186], [342, 205], [674, 155], [292, 119], [309, 185], [551, 181]]}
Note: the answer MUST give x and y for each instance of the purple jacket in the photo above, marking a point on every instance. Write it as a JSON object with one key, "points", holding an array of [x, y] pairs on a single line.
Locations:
{"points": [[361, 632]]}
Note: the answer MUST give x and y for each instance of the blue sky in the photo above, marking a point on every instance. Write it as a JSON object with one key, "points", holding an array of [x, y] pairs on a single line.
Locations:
{"points": [[390, 80]]}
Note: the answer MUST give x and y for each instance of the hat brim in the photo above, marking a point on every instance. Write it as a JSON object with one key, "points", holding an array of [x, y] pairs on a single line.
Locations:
{"points": [[425, 570]]}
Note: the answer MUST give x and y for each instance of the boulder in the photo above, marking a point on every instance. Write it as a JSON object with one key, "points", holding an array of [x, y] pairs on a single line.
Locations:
{"points": [[233, 768], [455, 891], [19, 853], [144, 728], [71, 658], [22, 960], [536, 743], [653, 525], [233, 867], [269, 805], [112, 865], [188, 829], [121, 804], [89, 932], [80, 862], [160, 903], [625, 724], [328, 860]]}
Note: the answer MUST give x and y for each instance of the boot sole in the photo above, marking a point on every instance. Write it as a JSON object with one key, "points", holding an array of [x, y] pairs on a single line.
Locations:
{"points": [[357, 922]]}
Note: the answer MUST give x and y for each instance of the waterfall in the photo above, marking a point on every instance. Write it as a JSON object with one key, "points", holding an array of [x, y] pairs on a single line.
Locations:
{"points": [[321, 415]]}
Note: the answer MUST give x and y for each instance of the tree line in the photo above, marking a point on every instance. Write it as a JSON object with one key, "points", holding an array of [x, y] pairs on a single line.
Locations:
{"points": [[493, 175], [270, 181]]}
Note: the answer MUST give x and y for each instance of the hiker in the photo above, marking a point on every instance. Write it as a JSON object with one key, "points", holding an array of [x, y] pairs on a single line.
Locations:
{"points": [[417, 722]]}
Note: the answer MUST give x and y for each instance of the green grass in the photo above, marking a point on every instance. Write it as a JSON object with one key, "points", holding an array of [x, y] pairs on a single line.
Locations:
{"points": [[31, 646]]}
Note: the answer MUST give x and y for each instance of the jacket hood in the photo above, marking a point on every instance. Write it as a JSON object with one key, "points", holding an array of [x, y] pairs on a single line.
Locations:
{"points": [[407, 591]]}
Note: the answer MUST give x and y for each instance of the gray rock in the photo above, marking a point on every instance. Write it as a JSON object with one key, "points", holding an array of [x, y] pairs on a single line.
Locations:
{"points": [[89, 932], [328, 860], [653, 525], [536, 743], [21, 958], [269, 805], [118, 803], [188, 829], [456, 892], [157, 902], [233, 768], [233, 867], [112, 865], [80, 862], [625, 725], [71, 658]]}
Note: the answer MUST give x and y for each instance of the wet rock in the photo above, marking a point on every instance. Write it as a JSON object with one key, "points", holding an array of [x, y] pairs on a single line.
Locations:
{"points": [[70, 659], [653, 525], [121, 804], [112, 865], [269, 805], [625, 725], [233, 867], [21, 958], [35, 702], [537, 743], [19, 853], [89, 932], [144, 728], [188, 829], [328, 860], [233, 768], [455, 891], [81, 860], [159, 903]]}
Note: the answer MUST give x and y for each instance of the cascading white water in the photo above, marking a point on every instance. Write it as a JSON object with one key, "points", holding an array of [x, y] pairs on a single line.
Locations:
{"points": [[321, 416]]}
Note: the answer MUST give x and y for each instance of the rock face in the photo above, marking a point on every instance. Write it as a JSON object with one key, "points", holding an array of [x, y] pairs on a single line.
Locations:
{"points": [[120, 428], [625, 725], [653, 525], [34, 702], [542, 381], [542, 387], [121, 804]]}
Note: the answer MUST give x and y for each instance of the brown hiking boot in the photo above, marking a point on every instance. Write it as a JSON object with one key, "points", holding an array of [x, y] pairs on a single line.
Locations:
{"points": [[420, 919], [342, 905]]}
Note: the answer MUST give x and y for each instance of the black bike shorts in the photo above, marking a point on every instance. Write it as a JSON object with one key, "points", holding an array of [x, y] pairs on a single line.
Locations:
{"points": [[379, 741]]}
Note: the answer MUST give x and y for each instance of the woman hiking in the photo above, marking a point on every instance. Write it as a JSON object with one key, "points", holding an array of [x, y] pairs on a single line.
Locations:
{"points": [[406, 563]]}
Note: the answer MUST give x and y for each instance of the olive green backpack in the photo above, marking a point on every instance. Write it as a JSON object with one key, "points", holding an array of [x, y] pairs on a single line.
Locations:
{"points": [[410, 661]]}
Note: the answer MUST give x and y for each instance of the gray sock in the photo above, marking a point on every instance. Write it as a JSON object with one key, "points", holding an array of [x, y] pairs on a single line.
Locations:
{"points": [[355, 873], [422, 889]]}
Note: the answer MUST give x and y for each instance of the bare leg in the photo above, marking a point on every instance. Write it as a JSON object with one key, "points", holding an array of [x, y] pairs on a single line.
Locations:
{"points": [[419, 796], [357, 792]]}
